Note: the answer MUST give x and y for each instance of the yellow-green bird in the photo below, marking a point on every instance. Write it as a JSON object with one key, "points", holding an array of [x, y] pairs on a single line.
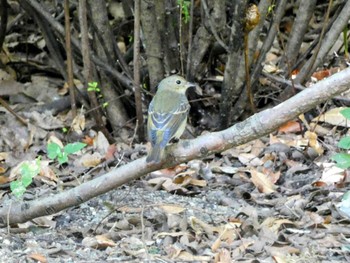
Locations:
{"points": [[167, 114]]}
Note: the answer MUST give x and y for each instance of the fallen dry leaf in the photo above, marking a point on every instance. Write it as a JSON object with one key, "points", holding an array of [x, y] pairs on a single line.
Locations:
{"points": [[290, 127], [38, 257], [241, 249], [47, 173], [223, 256], [273, 176], [250, 159], [98, 242], [112, 149], [321, 74], [298, 141], [313, 142], [332, 174], [78, 124], [172, 209], [101, 143], [262, 182], [4, 179], [186, 256], [333, 117], [3, 155], [88, 140], [200, 226], [274, 224], [169, 172], [91, 159], [227, 233]]}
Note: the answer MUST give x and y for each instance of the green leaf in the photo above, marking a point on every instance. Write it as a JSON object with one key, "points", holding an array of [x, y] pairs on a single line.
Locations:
{"points": [[29, 169], [53, 150], [73, 147], [17, 188], [27, 180], [344, 143], [63, 158], [346, 113], [342, 159], [93, 86]]}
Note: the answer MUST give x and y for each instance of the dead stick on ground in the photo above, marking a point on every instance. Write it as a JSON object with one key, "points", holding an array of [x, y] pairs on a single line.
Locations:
{"points": [[7, 106], [252, 128]]}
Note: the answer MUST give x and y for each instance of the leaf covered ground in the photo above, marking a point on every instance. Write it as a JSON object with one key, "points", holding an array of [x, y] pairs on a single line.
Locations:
{"points": [[276, 199], [280, 198]]}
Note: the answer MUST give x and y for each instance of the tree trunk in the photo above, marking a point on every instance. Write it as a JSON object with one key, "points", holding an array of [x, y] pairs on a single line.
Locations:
{"points": [[115, 109]]}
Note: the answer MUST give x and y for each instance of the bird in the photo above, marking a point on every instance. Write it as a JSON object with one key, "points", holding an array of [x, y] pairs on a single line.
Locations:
{"points": [[167, 115]]}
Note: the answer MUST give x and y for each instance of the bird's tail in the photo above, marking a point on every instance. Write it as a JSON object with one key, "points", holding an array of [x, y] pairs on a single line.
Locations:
{"points": [[155, 155]]}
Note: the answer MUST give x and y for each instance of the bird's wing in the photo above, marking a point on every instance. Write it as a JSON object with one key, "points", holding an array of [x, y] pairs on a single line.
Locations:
{"points": [[164, 125]]}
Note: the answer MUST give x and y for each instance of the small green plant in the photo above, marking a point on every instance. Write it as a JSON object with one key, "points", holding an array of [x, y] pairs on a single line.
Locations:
{"points": [[55, 151], [28, 170], [93, 86], [343, 159], [185, 6]]}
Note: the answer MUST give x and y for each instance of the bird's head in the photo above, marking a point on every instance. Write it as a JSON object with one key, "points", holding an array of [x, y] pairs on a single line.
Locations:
{"points": [[175, 82]]}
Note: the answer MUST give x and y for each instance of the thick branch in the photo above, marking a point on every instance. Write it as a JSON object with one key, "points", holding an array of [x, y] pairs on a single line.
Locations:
{"points": [[152, 43], [229, 90], [250, 129]]}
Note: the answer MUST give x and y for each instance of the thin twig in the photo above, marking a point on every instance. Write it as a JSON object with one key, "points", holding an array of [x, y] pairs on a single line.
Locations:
{"points": [[180, 38], [190, 36], [247, 75], [307, 71], [6, 106], [69, 59], [137, 87]]}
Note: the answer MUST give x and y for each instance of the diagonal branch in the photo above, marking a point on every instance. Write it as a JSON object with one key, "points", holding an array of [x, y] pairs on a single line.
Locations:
{"points": [[254, 127]]}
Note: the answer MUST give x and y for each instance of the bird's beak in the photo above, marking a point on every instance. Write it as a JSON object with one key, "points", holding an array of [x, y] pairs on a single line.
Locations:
{"points": [[190, 85], [196, 87]]}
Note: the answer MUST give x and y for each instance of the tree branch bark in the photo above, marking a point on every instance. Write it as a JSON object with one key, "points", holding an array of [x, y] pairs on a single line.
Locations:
{"points": [[228, 90], [254, 127], [152, 43]]}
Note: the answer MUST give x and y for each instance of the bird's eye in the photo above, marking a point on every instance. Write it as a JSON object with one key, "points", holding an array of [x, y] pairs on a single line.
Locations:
{"points": [[178, 82]]}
